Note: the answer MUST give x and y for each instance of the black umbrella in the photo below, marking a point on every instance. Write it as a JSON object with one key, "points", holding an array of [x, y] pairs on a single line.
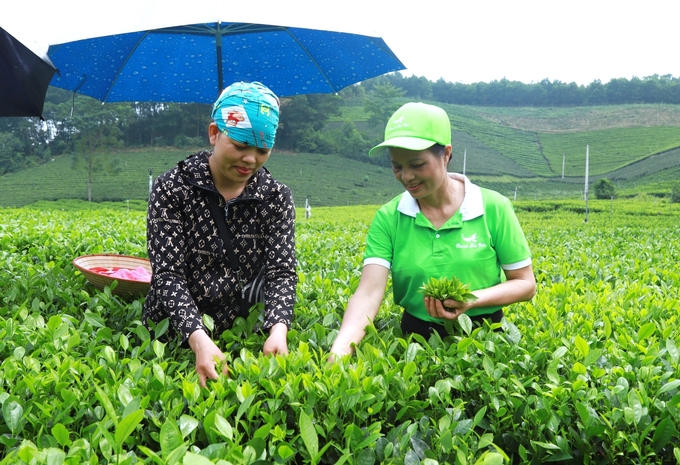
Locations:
{"points": [[24, 78]]}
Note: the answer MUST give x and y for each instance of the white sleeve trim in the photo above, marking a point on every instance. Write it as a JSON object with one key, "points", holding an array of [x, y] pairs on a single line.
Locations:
{"points": [[377, 261], [518, 265]]}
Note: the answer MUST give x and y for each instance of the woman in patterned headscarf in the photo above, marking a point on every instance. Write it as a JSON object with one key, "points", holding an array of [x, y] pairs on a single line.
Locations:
{"points": [[192, 271]]}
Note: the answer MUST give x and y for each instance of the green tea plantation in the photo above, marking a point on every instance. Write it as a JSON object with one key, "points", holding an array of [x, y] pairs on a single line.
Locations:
{"points": [[586, 373]]}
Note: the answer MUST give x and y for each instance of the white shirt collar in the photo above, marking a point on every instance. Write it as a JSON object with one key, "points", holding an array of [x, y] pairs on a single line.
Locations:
{"points": [[472, 205]]}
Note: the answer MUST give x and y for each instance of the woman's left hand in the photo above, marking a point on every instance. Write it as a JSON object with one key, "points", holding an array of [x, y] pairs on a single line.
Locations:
{"points": [[447, 310], [277, 342]]}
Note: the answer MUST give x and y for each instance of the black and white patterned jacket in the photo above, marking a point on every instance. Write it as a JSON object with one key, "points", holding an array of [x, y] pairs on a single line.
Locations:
{"points": [[191, 270]]}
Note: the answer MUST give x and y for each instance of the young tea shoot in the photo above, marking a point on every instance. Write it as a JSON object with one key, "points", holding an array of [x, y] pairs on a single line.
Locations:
{"points": [[448, 288]]}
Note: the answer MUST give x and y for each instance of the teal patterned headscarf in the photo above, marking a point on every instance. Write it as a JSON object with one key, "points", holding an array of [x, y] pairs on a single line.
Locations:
{"points": [[248, 112]]}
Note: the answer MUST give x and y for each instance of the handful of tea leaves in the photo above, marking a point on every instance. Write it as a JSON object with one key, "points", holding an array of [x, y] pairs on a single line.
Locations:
{"points": [[448, 288]]}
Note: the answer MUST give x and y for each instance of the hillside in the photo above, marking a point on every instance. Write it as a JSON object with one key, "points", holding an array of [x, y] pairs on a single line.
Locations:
{"points": [[517, 151], [323, 179], [533, 142]]}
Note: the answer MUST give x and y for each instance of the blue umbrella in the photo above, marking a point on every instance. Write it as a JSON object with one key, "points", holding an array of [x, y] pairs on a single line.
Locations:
{"points": [[193, 63], [24, 78]]}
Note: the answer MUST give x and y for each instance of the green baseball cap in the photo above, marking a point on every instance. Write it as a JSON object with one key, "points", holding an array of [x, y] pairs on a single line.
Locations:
{"points": [[416, 126]]}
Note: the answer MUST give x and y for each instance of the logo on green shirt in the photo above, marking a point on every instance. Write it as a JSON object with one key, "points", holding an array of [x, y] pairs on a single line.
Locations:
{"points": [[470, 243]]}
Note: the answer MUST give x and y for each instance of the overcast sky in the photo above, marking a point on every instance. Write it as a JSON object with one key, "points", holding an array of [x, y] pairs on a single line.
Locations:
{"points": [[460, 41]]}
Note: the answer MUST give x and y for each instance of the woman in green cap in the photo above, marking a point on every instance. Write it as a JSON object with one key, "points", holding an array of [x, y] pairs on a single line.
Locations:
{"points": [[441, 226], [217, 223]]}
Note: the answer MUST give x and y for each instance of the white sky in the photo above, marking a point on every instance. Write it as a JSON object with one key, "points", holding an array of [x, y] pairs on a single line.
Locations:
{"points": [[457, 40]]}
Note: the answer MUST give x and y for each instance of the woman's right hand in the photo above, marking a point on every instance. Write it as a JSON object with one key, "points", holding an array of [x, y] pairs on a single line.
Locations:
{"points": [[361, 310], [207, 356], [447, 309]]}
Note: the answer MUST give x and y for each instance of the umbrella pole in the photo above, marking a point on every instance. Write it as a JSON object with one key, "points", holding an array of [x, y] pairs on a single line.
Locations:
{"points": [[218, 43], [73, 102]]}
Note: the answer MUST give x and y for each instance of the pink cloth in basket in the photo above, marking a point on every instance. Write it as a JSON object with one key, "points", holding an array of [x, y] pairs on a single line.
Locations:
{"points": [[138, 274]]}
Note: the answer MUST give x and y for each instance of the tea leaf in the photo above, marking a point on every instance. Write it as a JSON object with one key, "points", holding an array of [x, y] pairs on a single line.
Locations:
{"points": [[411, 458], [581, 345], [412, 351], [419, 447], [61, 434], [194, 459], [127, 425], [512, 333], [12, 411], [669, 386], [176, 455], [607, 327], [488, 365], [187, 424], [285, 451], [366, 457], [485, 440], [478, 417], [592, 357], [55, 456], [633, 412], [224, 427], [672, 350], [158, 348], [158, 372], [409, 371], [309, 436], [244, 407], [546, 445], [665, 431], [552, 374], [208, 322], [170, 437], [151, 454], [464, 343], [646, 331], [559, 352], [106, 403], [465, 323], [490, 458], [582, 413]]}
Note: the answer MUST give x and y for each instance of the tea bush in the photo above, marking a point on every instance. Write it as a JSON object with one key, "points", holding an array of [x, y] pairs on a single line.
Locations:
{"points": [[587, 372]]}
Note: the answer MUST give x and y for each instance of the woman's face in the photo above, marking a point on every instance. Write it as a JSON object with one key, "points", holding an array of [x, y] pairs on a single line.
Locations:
{"points": [[235, 162], [420, 172]]}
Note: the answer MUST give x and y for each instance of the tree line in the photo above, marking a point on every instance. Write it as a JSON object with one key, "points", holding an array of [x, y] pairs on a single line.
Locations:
{"points": [[546, 93], [83, 127]]}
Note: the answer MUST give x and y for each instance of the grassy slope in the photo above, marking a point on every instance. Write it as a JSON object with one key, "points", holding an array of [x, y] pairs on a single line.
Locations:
{"points": [[521, 149], [324, 179], [617, 136], [507, 149]]}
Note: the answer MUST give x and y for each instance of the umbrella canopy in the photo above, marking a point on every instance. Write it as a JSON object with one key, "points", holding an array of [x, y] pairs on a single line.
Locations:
{"points": [[193, 63], [24, 78]]}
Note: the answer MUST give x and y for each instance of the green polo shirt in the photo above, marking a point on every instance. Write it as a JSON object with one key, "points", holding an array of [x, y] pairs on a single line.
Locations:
{"points": [[482, 239]]}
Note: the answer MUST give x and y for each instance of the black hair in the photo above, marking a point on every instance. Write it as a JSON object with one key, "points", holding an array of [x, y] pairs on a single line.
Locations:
{"points": [[438, 150]]}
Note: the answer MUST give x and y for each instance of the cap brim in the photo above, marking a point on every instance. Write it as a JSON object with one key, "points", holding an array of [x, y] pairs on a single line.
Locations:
{"points": [[408, 143]]}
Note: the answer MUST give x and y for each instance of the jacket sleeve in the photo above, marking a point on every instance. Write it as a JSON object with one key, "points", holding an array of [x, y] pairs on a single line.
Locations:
{"points": [[166, 244], [281, 260]]}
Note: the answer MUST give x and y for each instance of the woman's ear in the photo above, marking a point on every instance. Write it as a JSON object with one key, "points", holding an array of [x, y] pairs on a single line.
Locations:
{"points": [[213, 132]]}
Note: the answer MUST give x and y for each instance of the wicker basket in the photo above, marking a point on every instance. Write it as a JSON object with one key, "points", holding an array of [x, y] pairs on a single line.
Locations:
{"points": [[111, 261]]}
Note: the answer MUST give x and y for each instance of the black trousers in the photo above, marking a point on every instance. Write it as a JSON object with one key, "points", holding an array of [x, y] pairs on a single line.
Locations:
{"points": [[411, 324]]}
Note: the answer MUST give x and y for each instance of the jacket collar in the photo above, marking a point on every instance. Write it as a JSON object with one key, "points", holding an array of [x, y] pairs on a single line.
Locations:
{"points": [[471, 208]]}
